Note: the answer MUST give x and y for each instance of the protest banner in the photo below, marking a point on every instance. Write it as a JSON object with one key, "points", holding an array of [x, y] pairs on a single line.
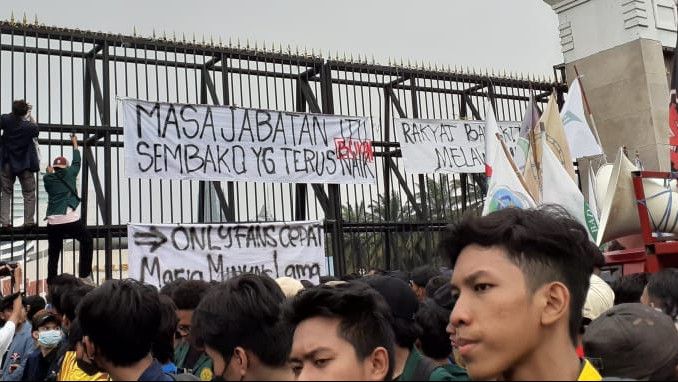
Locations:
{"points": [[432, 146], [219, 143], [160, 254]]}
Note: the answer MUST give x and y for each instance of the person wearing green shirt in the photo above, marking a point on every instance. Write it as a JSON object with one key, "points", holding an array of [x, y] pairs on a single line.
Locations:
{"points": [[410, 364], [63, 217], [187, 296]]}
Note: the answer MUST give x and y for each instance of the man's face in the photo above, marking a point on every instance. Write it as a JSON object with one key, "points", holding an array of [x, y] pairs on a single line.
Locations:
{"points": [[184, 327], [495, 323], [319, 353]]}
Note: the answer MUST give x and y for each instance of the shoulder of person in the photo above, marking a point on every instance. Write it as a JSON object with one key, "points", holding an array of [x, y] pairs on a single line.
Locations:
{"points": [[440, 374]]}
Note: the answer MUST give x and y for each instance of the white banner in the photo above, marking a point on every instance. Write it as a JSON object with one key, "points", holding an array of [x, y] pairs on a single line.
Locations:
{"points": [[201, 142], [160, 254], [446, 146]]}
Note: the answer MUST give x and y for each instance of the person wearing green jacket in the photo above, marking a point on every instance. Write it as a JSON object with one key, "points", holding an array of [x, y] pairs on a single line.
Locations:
{"points": [[63, 217]]}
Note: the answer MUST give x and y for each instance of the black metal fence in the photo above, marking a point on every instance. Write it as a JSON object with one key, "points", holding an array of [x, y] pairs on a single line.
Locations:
{"points": [[74, 77]]}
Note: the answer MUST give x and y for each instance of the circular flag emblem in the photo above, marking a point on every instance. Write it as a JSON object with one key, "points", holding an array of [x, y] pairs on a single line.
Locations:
{"points": [[505, 198]]}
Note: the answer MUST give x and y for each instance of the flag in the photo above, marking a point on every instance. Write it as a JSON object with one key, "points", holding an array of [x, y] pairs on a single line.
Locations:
{"points": [[560, 189], [506, 189], [491, 142], [530, 119], [577, 130], [593, 193], [555, 136], [673, 111]]}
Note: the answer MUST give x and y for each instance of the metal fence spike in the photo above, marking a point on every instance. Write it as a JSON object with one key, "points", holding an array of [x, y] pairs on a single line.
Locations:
{"points": [[247, 44], [12, 19], [36, 23], [25, 20], [153, 34]]}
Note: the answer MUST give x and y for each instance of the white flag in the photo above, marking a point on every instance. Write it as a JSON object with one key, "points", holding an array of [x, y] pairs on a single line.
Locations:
{"points": [[505, 189], [579, 136], [593, 199], [491, 142], [560, 189]]}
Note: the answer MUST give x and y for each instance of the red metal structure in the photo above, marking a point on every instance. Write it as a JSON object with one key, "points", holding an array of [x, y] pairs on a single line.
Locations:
{"points": [[658, 252]]}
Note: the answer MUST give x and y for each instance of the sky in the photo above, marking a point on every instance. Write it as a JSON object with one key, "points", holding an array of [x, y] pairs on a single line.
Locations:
{"points": [[519, 36]]}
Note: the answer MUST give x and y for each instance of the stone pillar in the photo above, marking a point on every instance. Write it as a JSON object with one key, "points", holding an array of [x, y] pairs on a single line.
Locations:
{"points": [[617, 46]]}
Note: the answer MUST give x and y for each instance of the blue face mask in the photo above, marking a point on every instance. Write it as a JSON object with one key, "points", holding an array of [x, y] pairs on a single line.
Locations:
{"points": [[50, 338]]}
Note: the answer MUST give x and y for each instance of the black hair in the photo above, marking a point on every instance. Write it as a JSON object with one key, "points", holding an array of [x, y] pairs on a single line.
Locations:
{"points": [[546, 244], [163, 344], [169, 288], [307, 284], [599, 259], [58, 286], [663, 286], [434, 284], [244, 311], [36, 304], [433, 320], [350, 277], [20, 108], [121, 318], [363, 312], [420, 276], [74, 335], [629, 288], [71, 299], [400, 275], [188, 294]]}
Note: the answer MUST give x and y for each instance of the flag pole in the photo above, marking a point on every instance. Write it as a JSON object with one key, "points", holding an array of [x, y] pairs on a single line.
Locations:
{"points": [[588, 110], [513, 164]]}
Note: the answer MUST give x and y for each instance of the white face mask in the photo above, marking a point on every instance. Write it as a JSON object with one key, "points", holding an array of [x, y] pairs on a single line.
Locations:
{"points": [[50, 338]]}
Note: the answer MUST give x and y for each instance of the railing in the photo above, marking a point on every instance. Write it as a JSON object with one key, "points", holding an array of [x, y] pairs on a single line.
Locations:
{"points": [[73, 78]]}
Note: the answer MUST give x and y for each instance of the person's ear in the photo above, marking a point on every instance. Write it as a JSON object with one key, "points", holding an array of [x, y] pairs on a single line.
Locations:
{"points": [[35, 335], [554, 301], [378, 364], [241, 361], [88, 347]]}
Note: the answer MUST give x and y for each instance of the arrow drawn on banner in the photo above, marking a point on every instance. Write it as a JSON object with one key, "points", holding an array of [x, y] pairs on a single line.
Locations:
{"points": [[154, 233]]}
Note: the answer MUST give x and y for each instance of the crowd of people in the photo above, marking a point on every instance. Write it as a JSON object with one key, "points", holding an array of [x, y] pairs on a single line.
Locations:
{"points": [[522, 300]]}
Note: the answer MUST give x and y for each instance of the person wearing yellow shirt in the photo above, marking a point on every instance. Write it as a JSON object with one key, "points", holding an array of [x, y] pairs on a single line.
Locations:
{"points": [[520, 280], [71, 369]]}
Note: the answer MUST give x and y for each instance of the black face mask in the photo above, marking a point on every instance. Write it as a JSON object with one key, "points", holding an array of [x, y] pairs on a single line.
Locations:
{"points": [[88, 367]]}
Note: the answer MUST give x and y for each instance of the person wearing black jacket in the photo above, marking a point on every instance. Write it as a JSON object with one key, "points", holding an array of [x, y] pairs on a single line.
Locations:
{"points": [[19, 159]]}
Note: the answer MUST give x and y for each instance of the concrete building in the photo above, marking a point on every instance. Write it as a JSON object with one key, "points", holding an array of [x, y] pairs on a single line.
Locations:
{"points": [[619, 48]]}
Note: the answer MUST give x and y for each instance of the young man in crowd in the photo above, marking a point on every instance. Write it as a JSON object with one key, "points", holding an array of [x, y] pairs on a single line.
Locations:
{"points": [[163, 345], [341, 333], [410, 364], [187, 296], [661, 292], [22, 344], [11, 317], [419, 278], [63, 218], [19, 159], [520, 279], [634, 341], [119, 323], [239, 323], [42, 363], [628, 289], [433, 341], [34, 304], [75, 366]]}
